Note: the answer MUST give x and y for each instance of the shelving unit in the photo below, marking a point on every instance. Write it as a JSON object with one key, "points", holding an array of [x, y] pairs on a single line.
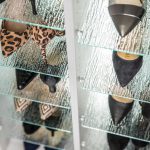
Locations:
{"points": [[83, 60]]}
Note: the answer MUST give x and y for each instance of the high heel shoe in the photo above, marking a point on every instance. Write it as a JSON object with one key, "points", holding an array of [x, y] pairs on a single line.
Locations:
{"points": [[117, 142], [139, 144], [126, 15], [24, 78], [119, 108], [47, 110], [29, 146], [126, 69], [50, 81], [33, 7], [21, 104]]}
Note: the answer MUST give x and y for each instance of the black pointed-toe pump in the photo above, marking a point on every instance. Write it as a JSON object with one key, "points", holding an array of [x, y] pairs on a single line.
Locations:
{"points": [[29, 146], [50, 81], [119, 110], [117, 142], [126, 16], [126, 69], [24, 78], [1, 1], [139, 144], [29, 128]]}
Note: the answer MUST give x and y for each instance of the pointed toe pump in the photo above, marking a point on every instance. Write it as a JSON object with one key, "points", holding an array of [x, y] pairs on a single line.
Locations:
{"points": [[30, 129], [126, 15], [50, 81], [1, 1], [117, 142], [29, 146], [119, 108], [24, 78], [139, 144], [126, 66]]}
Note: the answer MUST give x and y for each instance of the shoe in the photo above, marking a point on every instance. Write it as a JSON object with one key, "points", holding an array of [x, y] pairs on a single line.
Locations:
{"points": [[139, 144], [1, 1], [145, 110], [29, 146], [24, 78], [50, 81], [21, 104], [29, 128], [47, 110], [41, 36], [33, 7], [126, 16], [117, 142], [118, 110], [126, 69]]}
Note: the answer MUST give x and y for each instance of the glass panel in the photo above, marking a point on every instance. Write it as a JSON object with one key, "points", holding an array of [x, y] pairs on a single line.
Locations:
{"points": [[61, 120], [29, 57], [50, 13], [36, 90], [98, 30], [133, 125], [100, 76], [41, 136], [88, 143]]}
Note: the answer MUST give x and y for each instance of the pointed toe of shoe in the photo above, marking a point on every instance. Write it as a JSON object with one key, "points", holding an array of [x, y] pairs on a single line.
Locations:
{"points": [[139, 144], [118, 110], [125, 17], [117, 142], [126, 69]]}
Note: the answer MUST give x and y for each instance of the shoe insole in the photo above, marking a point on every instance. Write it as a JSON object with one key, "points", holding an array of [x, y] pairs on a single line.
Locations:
{"points": [[122, 100], [130, 2], [15, 26], [127, 56]]}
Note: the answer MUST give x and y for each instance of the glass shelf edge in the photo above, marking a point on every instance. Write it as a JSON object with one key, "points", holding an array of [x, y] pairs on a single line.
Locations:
{"points": [[92, 128], [100, 92]]}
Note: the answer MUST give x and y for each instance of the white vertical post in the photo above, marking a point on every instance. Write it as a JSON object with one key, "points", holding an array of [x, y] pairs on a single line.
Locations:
{"points": [[71, 53]]}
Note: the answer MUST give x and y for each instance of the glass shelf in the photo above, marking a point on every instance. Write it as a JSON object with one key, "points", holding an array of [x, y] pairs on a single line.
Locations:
{"points": [[32, 115], [42, 136], [29, 58], [98, 30], [101, 77], [88, 143], [50, 12], [132, 126], [36, 90]]}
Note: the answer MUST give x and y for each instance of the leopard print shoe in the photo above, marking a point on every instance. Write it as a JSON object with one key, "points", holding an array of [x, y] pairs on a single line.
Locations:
{"points": [[14, 35]]}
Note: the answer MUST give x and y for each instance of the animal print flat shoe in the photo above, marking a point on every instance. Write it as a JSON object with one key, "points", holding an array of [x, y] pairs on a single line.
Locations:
{"points": [[15, 35]]}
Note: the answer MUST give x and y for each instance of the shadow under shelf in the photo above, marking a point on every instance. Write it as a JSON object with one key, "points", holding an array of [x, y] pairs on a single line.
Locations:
{"points": [[50, 12], [98, 30]]}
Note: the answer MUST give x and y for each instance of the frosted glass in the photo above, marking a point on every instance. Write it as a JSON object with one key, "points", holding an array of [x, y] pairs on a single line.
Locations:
{"points": [[36, 90], [98, 30], [97, 116], [31, 115], [100, 76], [50, 12], [28, 57]]}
